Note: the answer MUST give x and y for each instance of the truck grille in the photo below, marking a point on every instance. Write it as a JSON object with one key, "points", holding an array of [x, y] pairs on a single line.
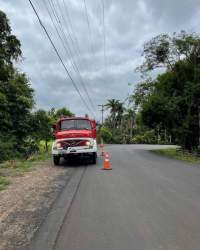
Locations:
{"points": [[73, 143]]}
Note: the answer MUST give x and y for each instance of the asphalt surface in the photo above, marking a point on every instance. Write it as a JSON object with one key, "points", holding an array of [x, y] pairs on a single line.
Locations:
{"points": [[146, 202]]}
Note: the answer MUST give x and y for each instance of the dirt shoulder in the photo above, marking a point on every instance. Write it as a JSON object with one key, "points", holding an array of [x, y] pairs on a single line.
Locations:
{"points": [[26, 202]]}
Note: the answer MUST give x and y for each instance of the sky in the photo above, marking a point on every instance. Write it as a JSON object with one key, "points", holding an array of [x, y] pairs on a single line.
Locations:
{"points": [[100, 54]]}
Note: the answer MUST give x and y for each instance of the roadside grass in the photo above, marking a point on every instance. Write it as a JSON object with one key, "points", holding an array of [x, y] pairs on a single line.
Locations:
{"points": [[4, 182], [172, 153], [42, 146], [17, 167]]}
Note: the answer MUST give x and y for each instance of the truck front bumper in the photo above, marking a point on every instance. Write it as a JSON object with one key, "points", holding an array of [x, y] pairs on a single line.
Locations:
{"points": [[80, 150]]}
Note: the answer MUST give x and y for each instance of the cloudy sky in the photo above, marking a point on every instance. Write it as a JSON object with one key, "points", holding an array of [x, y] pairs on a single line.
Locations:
{"points": [[79, 39]]}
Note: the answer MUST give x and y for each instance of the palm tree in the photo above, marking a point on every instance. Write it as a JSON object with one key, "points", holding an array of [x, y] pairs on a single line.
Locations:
{"points": [[120, 111], [130, 116], [113, 106]]}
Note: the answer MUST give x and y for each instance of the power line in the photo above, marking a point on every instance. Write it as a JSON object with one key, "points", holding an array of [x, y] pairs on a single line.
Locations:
{"points": [[57, 53], [63, 17], [76, 66], [104, 35], [75, 39], [67, 50], [89, 28], [71, 25]]}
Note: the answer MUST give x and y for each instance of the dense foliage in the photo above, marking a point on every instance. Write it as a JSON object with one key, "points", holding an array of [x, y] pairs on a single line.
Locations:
{"points": [[16, 95], [119, 124], [21, 128], [170, 104]]}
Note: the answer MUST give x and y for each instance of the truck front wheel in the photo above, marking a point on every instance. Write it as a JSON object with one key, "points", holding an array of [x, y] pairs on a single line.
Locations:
{"points": [[56, 160]]}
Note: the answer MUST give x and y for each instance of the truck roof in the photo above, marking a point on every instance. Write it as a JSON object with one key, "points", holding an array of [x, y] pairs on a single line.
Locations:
{"points": [[74, 118]]}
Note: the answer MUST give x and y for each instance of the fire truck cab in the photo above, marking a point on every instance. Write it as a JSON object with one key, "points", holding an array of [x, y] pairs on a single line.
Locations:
{"points": [[74, 136]]}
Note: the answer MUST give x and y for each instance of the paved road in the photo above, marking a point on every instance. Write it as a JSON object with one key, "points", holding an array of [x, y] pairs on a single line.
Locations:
{"points": [[145, 202]]}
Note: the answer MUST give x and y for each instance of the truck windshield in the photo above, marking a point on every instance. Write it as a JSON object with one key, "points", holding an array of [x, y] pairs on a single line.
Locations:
{"points": [[75, 124]]}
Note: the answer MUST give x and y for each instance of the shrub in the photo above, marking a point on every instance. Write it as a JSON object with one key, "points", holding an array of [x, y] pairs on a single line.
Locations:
{"points": [[138, 139], [105, 134], [8, 148], [148, 137]]}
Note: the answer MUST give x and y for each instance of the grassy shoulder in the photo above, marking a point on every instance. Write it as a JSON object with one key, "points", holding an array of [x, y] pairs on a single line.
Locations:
{"points": [[4, 182], [18, 167], [172, 152]]}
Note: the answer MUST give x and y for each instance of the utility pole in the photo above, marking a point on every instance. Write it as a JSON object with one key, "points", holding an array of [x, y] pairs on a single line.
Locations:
{"points": [[102, 111]]}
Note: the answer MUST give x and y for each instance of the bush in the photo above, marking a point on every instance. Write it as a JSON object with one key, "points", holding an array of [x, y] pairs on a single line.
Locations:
{"points": [[117, 137], [148, 137], [105, 134], [11, 149], [8, 148], [198, 150], [138, 139], [28, 148]]}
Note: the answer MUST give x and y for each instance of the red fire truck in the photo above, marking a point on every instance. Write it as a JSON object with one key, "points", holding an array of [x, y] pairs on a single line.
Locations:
{"points": [[74, 136]]}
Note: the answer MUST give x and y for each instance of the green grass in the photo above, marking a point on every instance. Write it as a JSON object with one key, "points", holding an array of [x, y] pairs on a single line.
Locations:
{"points": [[4, 182], [27, 165], [171, 152], [42, 146], [18, 167]]}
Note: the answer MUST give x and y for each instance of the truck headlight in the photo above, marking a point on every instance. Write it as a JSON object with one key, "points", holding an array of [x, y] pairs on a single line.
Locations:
{"points": [[89, 144], [58, 145]]}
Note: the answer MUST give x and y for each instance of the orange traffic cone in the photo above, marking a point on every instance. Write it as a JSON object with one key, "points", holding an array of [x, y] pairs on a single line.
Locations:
{"points": [[106, 163]]}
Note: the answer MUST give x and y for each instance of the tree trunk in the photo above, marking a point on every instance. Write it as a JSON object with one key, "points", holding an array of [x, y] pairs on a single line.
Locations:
{"points": [[46, 146], [158, 135], [165, 135], [131, 128], [170, 139], [199, 123]]}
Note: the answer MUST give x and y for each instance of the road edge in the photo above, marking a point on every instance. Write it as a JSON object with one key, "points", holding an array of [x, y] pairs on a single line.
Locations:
{"points": [[47, 234]]}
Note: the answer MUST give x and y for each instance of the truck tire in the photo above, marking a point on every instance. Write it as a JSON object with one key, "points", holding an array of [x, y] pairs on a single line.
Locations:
{"points": [[94, 158], [56, 160]]}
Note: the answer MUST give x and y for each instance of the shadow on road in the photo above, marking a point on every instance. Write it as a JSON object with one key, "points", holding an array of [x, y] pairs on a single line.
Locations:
{"points": [[76, 162]]}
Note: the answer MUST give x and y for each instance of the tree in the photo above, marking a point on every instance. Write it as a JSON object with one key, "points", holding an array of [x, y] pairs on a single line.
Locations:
{"points": [[105, 134], [119, 113], [171, 103], [128, 120], [55, 114], [112, 105], [16, 94], [141, 92], [116, 111], [9, 48], [18, 99], [120, 122], [164, 51], [41, 127]]}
